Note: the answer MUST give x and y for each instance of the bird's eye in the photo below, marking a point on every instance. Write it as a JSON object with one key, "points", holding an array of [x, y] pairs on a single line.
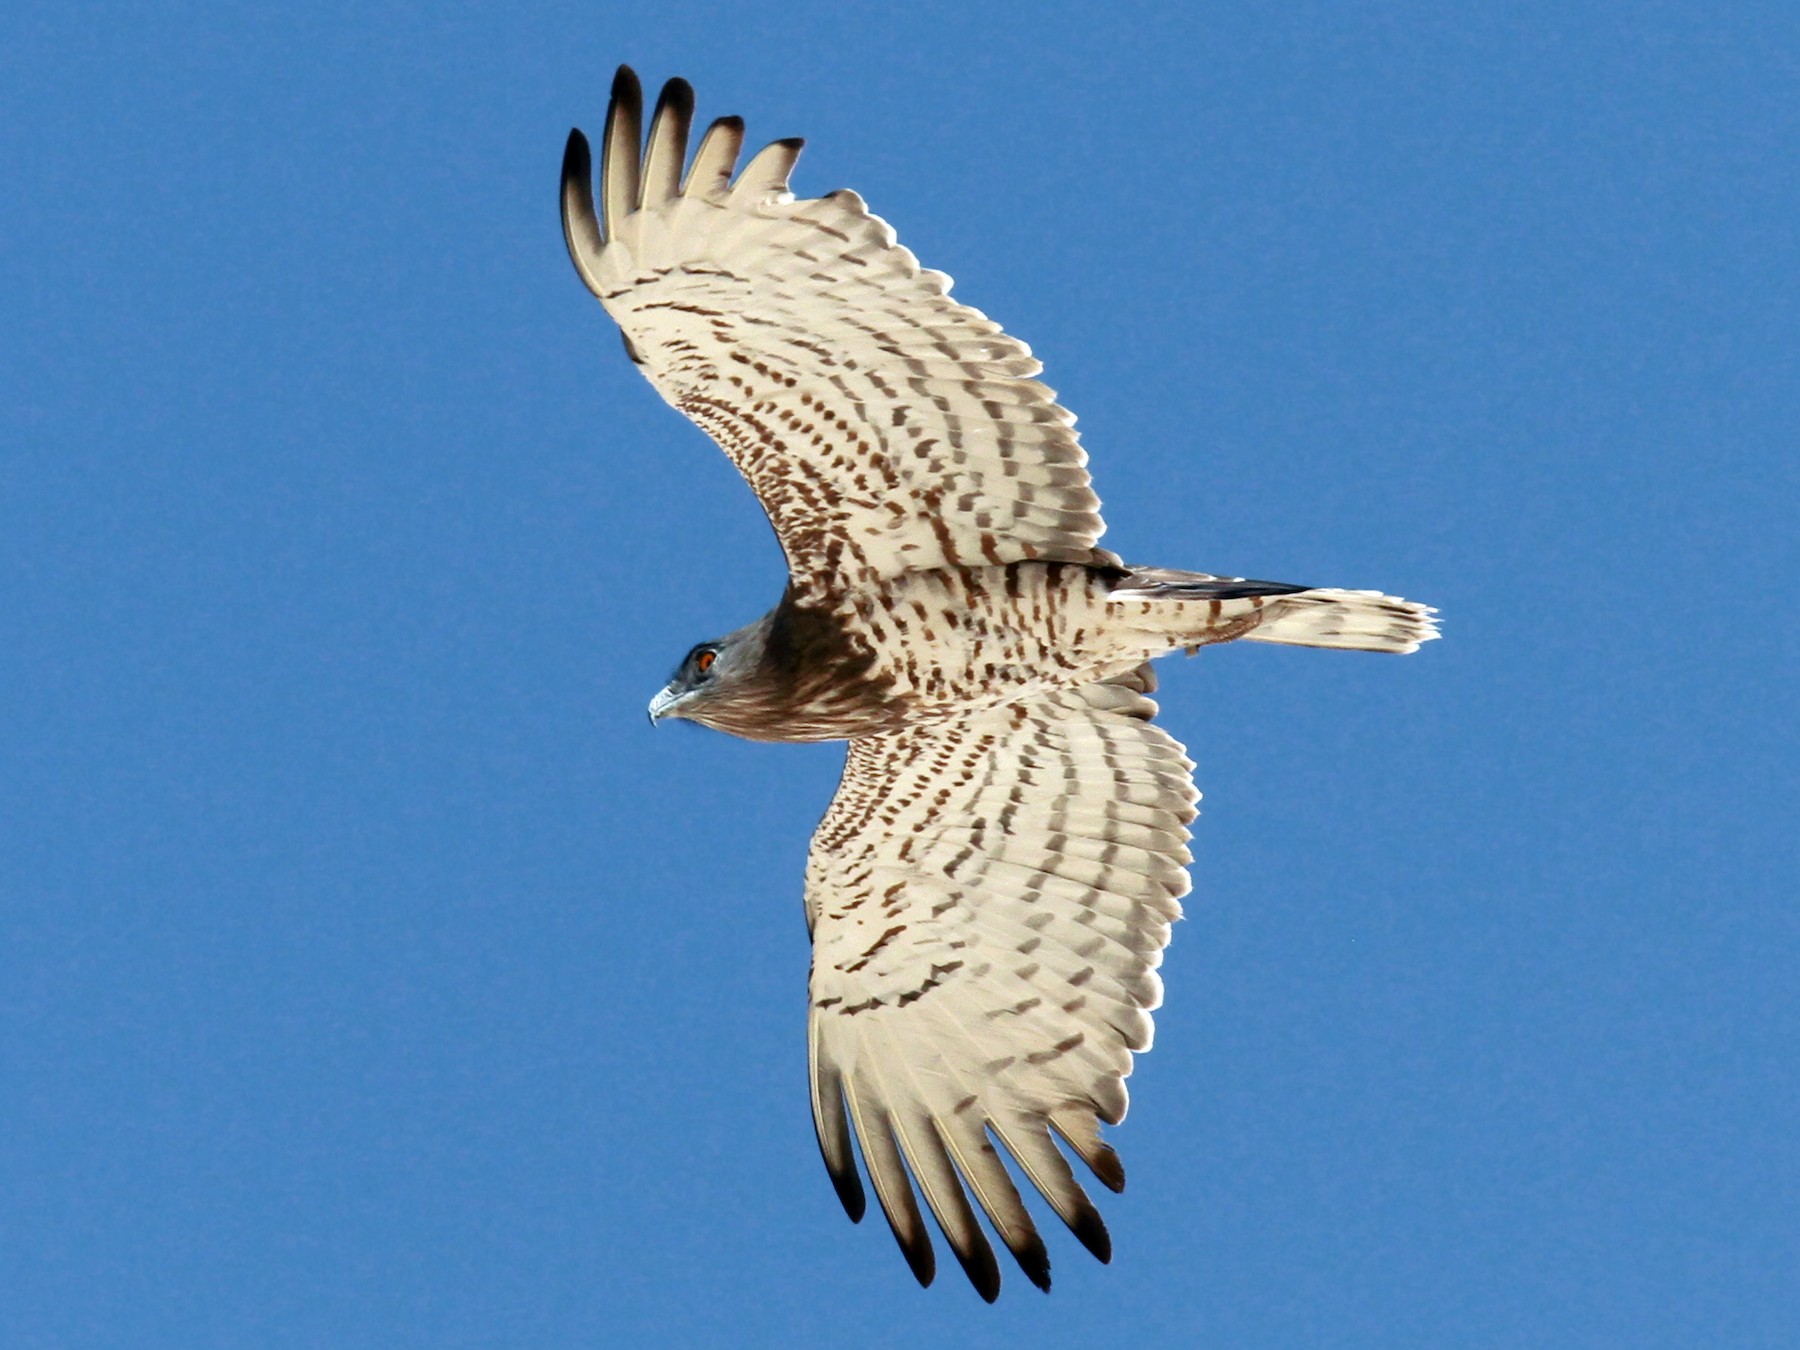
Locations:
{"points": [[704, 658]]}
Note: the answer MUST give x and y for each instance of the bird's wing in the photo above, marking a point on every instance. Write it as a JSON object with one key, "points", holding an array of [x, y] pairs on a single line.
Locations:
{"points": [[989, 900], [884, 427]]}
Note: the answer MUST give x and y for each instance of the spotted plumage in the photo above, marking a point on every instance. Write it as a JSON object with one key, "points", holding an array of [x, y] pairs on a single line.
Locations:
{"points": [[991, 890]]}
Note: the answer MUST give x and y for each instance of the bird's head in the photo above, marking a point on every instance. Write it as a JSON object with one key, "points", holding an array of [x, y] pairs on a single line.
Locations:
{"points": [[706, 677]]}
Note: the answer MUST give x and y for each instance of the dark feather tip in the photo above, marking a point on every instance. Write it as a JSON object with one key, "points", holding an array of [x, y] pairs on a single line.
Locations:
{"points": [[1106, 1165], [849, 1192], [678, 96], [581, 227], [578, 163], [919, 1258], [979, 1265], [1090, 1232], [626, 87], [1034, 1260]]}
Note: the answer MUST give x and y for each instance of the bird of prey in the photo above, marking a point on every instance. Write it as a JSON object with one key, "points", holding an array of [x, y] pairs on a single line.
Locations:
{"points": [[990, 892]]}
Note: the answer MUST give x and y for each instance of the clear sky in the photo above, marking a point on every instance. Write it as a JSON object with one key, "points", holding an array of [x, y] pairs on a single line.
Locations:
{"points": [[372, 975]]}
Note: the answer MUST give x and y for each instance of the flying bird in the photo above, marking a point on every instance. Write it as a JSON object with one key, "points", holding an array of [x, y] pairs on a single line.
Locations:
{"points": [[990, 892]]}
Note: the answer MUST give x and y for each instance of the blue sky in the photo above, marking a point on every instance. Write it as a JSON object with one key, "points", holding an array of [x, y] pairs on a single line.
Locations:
{"points": [[372, 975]]}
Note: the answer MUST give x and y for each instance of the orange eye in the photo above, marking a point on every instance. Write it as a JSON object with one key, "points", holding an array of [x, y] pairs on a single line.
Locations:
{"points": [[703, 662]]}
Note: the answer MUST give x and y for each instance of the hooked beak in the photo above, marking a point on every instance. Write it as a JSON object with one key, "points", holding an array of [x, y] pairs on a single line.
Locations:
{"points": [[660, 705]]}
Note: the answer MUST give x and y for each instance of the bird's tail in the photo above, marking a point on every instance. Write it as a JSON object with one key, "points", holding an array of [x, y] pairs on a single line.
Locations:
{"points": [[1296, 616], [1357, 621]]}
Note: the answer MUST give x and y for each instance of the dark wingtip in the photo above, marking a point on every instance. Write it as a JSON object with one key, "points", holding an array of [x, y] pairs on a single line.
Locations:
{"points": [[794, 143], [733, 122], [627, 101], [849, 1191], [1090, 1231], [1105, 1164], [581, 227], [979, 1265], [1034, 1259], [578, 162], [919, 1258], [677, 94]]}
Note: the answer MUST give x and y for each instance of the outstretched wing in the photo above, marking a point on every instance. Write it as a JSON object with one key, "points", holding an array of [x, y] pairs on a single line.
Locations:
{"points": [[884, 427], [989, 901]]}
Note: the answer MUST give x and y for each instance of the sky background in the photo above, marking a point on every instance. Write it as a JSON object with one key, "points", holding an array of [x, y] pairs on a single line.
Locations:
{"points": [[372, 975]]}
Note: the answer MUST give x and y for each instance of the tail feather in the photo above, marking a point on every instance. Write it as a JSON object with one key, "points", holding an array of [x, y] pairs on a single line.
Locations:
{"points": [[1360, 621], [1298, 616]]}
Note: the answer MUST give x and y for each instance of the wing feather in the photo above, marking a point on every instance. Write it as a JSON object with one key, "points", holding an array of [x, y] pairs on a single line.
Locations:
{"points": [[581, 228], [666, 153], [883, 426], [979, 1163], [834, 1135], [619, 164], [929, 1161], [764, 180], [715, 159], [881, 1155], [1029, 1142], [990, 898]]}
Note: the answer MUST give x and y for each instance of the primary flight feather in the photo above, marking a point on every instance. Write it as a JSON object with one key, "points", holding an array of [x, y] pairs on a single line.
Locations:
{"points": [[991, 890]]}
